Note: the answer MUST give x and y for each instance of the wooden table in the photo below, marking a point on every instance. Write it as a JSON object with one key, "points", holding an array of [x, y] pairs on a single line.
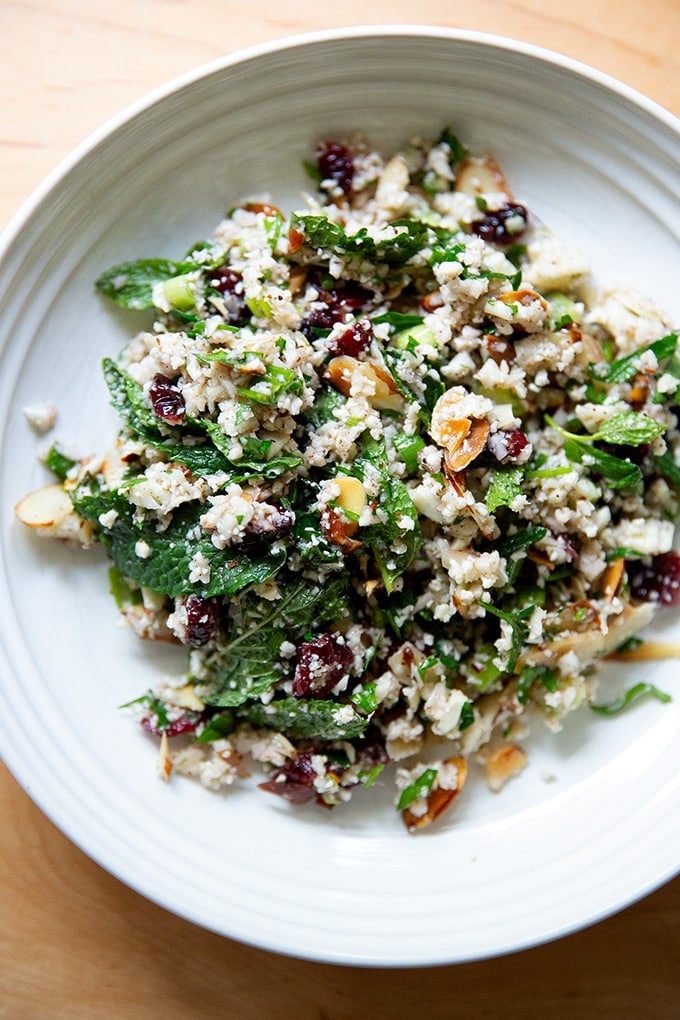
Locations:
{"points": [[74, 942]]}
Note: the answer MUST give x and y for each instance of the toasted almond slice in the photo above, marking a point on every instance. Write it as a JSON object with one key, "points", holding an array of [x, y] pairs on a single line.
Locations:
{"points": [[592, 642], [457, 458], [185, 697], [339, 531], [502, 764], [295, 240], [446, 410], [480, 175], [262, 207], [455, 432], [524, 297], [380, 389], [438, 800], [164, 763], [352, 495], [648, 651], [298, 278], [49, 511], [432, 301], [485, 524], [611, 579], [44, 508]]}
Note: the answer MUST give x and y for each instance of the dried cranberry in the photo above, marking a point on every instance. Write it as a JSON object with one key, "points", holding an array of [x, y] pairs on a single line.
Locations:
{"points": [[186, 723], [321, 664], [229, 283], [494, 226], [293, 781], [336, 163], [167, 400], [354, 339], [507, 444], [199, 621], [658, 580], [276, 523], [333, 306]]}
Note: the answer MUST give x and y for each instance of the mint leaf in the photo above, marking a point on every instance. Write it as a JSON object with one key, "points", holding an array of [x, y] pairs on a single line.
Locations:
{"points": [[666, 466], [519, 629], [625, 368], [632, 428], [58, 462], [421, 786], [270, 386], [528, 677], [457, 151], [467, 716], [218, 727], [399, 320], [320, 232], [506, 485], [395, 541], [167, 566], [514, 543], [632, 695], [127, 399], [306, 720], [249, 663], [131, 284], [618, 473]]}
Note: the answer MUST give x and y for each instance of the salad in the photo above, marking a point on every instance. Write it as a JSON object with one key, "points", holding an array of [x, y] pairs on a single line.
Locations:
{"points": [[392, 474]]}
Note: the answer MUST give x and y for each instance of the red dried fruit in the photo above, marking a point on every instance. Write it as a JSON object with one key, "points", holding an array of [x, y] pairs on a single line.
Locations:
{"points": [[507, 444], [353, 340], [494, 227], [276, 523], [167, 400], [321, 665], [333, 306], [198, 621], [229, 283], [186, 723], [293, 781], [336, 163], [657, 580]]}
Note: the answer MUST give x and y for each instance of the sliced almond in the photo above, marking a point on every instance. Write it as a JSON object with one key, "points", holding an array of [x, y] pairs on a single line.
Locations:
{"points": [[164, 763], [372, 381], [352, 496], [185, 697], [298, 278], [459, 456], [502, 764], [456, 431], [611, 579], [339, 531], [486, 524], [446, 412], [592, 642], [524, 297], [263, 207], [438, 800], [480, 175], [49, 511], [44, 508], [648, 651], [432, 301]]}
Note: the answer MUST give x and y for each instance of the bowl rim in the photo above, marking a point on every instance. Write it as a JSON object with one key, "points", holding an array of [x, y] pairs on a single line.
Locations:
{"points": [[21, 218], [178, 82]]}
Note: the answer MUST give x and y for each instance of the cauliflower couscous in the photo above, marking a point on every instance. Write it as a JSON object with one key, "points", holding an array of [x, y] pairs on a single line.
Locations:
{"points": [[389, 471]]}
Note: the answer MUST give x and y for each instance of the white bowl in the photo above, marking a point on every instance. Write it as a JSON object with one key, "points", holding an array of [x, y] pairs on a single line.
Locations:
{"points": [[592, 159]]}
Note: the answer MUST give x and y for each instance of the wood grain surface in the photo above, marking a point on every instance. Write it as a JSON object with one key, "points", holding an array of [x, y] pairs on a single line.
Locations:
{"points": [[75, 942]]}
